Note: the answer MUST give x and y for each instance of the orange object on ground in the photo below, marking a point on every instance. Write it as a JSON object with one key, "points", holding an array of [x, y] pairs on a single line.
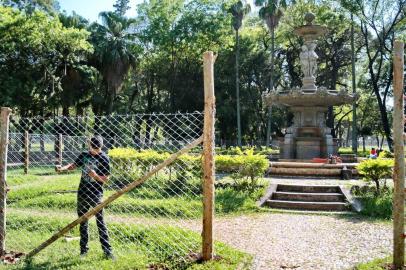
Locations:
{"points": [[319, 160]]}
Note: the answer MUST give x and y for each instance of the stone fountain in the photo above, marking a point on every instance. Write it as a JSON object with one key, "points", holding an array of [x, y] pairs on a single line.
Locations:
{"points": [[308, 137]]}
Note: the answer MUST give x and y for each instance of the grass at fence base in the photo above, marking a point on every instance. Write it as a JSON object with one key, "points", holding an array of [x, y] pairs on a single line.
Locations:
{"points": [[375, 206], [137, 247], [377, 264]]}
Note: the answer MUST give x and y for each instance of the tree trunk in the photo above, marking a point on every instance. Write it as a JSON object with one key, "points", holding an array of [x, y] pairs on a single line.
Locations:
{"points": [[137, 132], [237, 87], [354, 90], [271, 86], [330, 121], [385, 123], [374, 77], [110, 100], [378, 187], [65, 111]]}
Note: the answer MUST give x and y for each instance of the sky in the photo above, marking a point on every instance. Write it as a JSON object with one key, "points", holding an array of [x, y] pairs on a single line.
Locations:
{"points": [[90, 9]]}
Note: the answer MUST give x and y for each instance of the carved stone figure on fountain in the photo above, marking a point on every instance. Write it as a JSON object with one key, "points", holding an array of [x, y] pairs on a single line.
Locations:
{"points": [[305, 61], [312, 59]]}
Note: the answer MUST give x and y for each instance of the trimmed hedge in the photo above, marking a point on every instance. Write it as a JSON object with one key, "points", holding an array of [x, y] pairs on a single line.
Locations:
{"points": [[348, 150], [240, 151], [130, 163]]}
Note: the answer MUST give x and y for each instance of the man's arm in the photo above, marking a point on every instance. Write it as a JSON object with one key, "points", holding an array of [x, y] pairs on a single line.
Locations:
{"points": [[104, 171], [68, 167], [99, 178]]}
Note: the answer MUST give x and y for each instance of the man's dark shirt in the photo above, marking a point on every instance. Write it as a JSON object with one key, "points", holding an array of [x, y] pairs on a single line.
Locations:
{"points": [[100, 164]]}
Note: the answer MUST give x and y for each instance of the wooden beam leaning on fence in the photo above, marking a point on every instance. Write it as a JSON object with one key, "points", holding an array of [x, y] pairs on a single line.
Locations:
{"points": [[399, 167], [208, 171]]}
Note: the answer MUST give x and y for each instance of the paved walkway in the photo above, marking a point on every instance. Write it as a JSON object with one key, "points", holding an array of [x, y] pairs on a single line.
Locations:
{"points": [[303, 241], [306, 241]]}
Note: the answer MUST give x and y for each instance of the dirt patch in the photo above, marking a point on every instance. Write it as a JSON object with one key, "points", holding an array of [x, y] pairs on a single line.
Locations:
{"points": [[11, 257]]}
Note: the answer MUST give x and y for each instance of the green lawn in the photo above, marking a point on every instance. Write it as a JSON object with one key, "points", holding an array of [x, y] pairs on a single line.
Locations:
{"points": [[43, 189], [136, 247], [145, 225]]}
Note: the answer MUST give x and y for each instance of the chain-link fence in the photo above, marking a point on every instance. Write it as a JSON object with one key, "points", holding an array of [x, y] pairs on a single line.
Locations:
{"points": [[161, 218]]}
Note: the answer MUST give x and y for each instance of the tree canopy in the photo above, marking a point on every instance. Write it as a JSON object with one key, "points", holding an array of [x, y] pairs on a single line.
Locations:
{"points": [[54, 63]]}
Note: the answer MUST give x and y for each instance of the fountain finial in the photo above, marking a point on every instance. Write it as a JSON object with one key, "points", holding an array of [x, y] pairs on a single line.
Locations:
{"points": [[309, 18]]}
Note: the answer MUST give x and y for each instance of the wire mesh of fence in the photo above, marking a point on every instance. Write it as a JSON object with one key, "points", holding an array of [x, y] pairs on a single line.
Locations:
{"points": [[56, 172]]}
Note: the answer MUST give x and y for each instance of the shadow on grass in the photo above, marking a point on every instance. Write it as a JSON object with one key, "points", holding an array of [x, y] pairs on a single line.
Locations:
{"points": [[29, 264]]}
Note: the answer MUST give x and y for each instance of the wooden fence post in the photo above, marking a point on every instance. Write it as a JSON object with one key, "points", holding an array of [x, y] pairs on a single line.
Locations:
{"points": [[208, 156], [26, 151], [60, 149], [4, 133], [399, 169]]}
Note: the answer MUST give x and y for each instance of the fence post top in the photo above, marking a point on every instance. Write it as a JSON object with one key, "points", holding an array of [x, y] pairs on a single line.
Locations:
{"points": [[398, 42], [6, 110], [210, 55]]}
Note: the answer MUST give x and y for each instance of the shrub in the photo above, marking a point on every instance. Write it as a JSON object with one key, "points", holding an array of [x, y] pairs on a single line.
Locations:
{"points": [[375, 170], [243, 167], [385, 154]]}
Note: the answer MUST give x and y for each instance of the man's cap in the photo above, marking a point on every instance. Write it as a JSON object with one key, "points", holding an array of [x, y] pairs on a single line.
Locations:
{"points": [[96, 142]]}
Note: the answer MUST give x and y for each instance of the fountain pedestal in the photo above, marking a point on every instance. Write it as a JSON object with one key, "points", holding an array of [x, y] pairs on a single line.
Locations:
{"points": [[308, 137]]}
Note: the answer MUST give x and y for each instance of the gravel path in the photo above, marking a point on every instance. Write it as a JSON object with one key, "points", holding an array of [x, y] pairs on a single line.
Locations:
{"points": [[303, 241]]}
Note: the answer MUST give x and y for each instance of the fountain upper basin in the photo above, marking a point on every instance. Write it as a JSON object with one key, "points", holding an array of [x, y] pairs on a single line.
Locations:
{"points": [[321, 97]]}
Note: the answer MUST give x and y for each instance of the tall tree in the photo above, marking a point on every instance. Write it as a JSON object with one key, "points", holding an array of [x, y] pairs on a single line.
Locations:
{"points": [[271, 13], [379, 28], [121, 7], [115, 53], [238, 10], [34, 53], [79, 79], [354, 90]]}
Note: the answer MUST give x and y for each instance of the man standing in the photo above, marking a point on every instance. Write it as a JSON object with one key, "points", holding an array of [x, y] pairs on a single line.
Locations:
{"points": [[95, 172]]}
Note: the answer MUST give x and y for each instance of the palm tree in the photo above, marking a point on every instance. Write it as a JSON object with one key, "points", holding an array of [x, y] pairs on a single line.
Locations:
{"points": [[114, 52], [271, 13], [238, 10]]}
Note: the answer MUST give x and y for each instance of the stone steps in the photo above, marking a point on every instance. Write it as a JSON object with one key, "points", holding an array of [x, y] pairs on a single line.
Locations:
{"points": [[287, 168], [301, 197], [308, 197], [309, 189], [318, 206]]}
